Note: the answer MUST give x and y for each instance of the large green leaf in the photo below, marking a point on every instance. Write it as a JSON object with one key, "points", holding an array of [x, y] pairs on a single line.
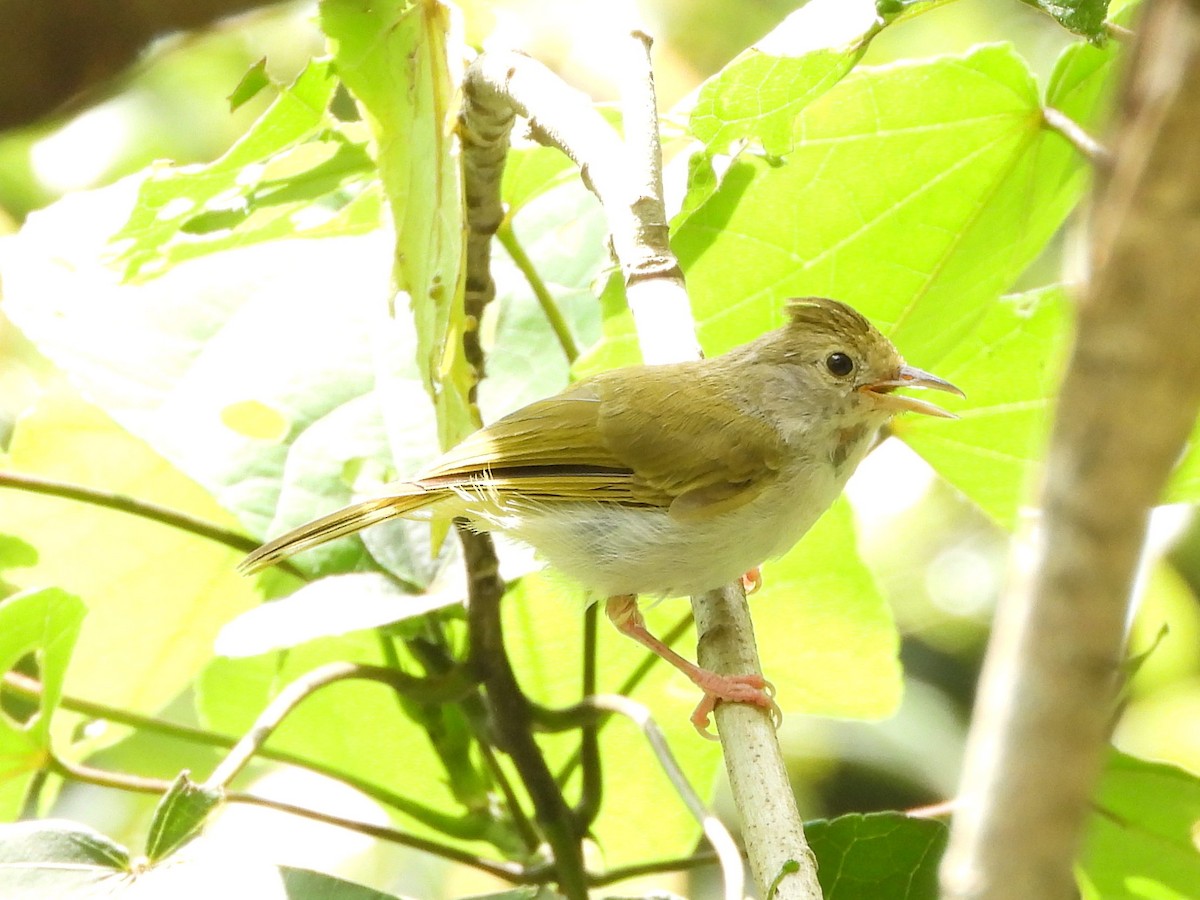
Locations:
{"points": [[1009, 364], [39, 625], [156, 595], [760, 92], [877, 856], [1141, 842], [902, 199], [265, 372], [403, 62]]}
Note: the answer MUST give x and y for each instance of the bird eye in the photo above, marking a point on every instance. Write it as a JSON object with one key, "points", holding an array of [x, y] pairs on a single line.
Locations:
{"points": [[839, 364]]}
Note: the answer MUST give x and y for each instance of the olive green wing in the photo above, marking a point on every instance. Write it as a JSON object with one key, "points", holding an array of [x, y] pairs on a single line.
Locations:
{"points": [[690, 434], [623, 436]]}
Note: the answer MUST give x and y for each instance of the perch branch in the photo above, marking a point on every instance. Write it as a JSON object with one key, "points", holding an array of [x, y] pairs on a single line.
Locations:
{"points": [[626, 177], [1128, 403], [771, 824]]}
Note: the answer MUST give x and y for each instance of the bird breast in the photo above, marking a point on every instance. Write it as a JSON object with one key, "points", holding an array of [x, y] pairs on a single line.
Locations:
{"points": [[613, 549]]}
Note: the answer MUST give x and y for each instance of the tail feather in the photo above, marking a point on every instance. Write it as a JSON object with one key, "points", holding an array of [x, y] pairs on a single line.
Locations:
{"points": [[403, 500]]}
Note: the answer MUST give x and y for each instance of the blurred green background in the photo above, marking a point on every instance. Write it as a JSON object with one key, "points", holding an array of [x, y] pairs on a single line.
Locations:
{"points": [[940, 562]]}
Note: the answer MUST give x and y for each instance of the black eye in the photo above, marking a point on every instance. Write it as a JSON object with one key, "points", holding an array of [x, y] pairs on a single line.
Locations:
{"points": [[839, 364]]}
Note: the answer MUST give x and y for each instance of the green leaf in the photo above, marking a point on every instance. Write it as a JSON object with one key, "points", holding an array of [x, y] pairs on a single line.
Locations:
{"points": [[282, 414], [1084, 17], [41, 625], [296, 172], [1009, 365], [402, 61], [920, 244], [16, 553], [52, 858], [179, 816], [563, 230], [330, 606], [1184, 484], [877, 855], [825, 633], [255, 79], [177, 587], [1141, 840], [759, 95], [68, 860]]}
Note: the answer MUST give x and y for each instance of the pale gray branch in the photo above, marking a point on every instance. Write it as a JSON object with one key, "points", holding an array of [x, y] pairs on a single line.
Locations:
{"points": [[1127, 405]]}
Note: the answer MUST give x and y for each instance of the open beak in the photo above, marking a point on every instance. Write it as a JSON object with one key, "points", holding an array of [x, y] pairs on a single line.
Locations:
{"points": [[910, 377]]}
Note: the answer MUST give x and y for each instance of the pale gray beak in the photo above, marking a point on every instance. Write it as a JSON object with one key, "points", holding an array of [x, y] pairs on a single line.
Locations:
{"points": [[911, 377]]}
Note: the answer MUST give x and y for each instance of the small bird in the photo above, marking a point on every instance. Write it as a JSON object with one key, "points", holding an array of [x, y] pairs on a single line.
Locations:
{"points": [[671, 479]]}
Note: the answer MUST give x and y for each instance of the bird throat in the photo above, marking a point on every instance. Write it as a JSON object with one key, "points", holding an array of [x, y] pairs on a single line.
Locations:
{"points": [[850, 446]]}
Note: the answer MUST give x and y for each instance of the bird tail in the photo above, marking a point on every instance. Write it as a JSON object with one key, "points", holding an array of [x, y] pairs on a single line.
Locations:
{"points": [[402, 500]]}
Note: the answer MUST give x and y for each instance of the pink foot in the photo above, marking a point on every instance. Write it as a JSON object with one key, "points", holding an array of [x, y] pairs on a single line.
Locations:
{"points": [[752, 689], [752, 580]]}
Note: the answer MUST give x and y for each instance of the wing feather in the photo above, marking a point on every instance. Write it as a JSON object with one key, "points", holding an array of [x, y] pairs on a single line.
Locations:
{"points": [[615, 436]]}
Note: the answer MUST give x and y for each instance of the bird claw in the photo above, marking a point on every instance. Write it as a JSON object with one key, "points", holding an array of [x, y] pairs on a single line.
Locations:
{"points": [[752, 689], [752, 580]]}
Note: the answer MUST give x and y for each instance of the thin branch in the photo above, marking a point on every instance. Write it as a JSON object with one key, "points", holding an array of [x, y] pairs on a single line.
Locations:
{"points": [[771, 825], [1089, 148], [562, 331], [1128, 403], [638, 870], [141, 508], [484, 126], [101, 778], [649, 660], [722, 842], [510, 872], [1119, 32], [428, 689], [469, 827], [592, 791]]}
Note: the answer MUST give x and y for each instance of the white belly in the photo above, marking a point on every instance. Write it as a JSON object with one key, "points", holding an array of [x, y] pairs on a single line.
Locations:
{"points": [[615, 550]]}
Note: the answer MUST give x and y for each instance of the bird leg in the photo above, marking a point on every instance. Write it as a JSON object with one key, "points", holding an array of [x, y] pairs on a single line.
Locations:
{"points": [[752, 580], [623, 612]]}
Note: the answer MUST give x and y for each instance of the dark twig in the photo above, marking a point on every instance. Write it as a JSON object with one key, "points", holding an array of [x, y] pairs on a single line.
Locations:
{"points": [[511, 716]]}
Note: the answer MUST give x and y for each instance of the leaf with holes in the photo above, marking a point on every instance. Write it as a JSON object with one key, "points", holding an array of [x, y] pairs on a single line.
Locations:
{"points": [[297, 172]]}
